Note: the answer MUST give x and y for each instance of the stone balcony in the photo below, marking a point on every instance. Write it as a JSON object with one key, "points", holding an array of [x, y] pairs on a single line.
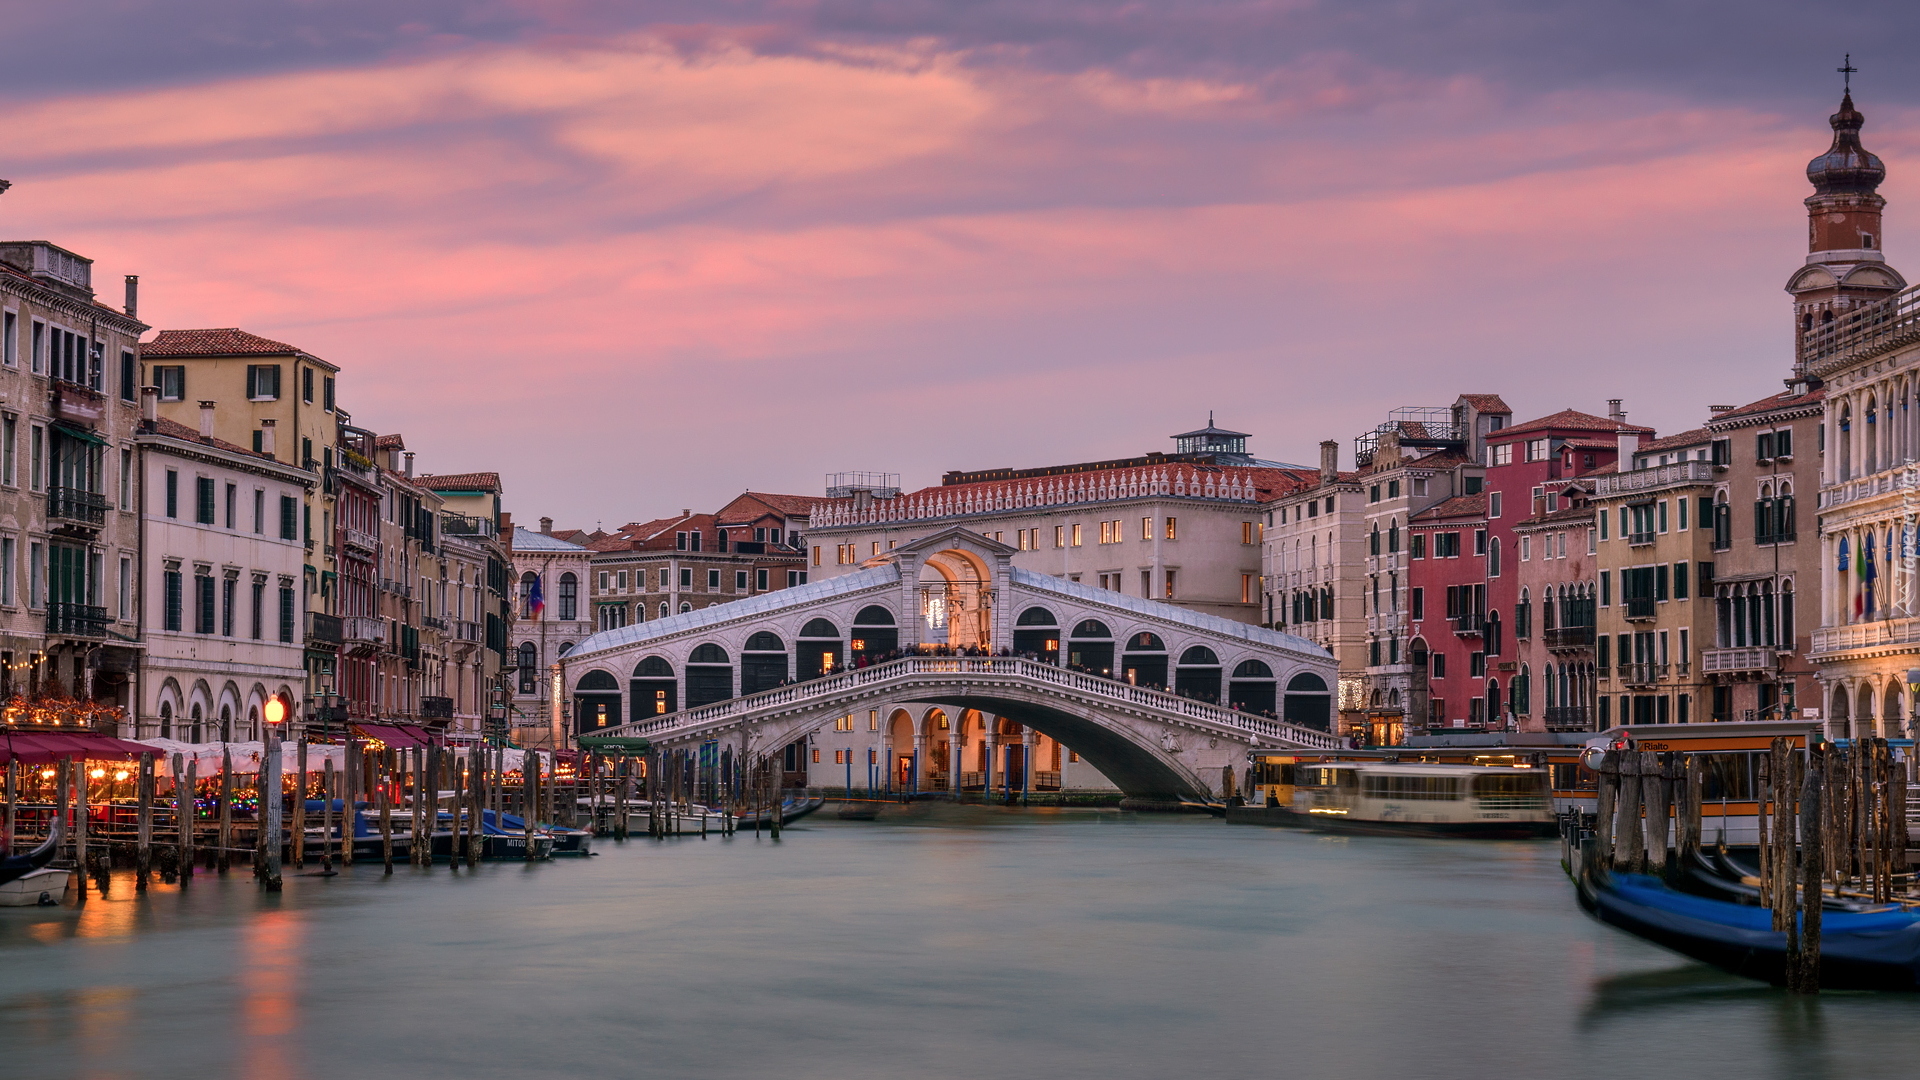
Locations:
{"points": [[1738, 660], [1866, 635]]}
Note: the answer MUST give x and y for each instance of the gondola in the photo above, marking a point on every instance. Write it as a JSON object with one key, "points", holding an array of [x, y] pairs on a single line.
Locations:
{"points": [[1709, 913], [14, 867]]}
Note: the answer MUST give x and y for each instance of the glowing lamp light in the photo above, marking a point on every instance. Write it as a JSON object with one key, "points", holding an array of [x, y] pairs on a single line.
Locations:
{"points": [[119, 776], [275, 711], [97, 773], [46, 774]]}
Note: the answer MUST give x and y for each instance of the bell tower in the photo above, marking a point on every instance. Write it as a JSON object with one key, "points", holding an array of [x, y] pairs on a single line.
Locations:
{"points": [[1845, 268]]}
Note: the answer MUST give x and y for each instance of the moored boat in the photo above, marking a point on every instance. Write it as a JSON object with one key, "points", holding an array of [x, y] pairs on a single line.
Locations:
{"points": [[36, 888], [1381, 799]]}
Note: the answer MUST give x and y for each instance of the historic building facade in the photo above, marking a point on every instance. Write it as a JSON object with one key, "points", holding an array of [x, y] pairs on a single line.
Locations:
{"points": [[222, 559], [1552, 686], [69, 484], [545, 567]]}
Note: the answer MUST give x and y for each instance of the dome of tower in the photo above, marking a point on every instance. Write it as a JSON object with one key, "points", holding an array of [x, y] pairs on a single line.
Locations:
{"points": [[1846, 167]]}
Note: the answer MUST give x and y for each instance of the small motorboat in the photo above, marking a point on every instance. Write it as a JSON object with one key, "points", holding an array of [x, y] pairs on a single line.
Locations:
{"points": [[791, 810], [1709, 914], [562, 841], [14, 867], [36, 888]]}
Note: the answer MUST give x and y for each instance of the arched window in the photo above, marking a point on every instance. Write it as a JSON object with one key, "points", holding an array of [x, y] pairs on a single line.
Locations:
{"points": [[685, 607], [709, 678], [1308, 703], [763, 663], [528, 662], [708, 653], [871, 615], [565, 648], [1493, 557], [569, 597], [1253, 669], [1199, 655], [166, 719], [598, 680], [664, 609], [1036, 616], [653, 667], [819, 628], [1091, 628], [765, 641], [529, 583]]}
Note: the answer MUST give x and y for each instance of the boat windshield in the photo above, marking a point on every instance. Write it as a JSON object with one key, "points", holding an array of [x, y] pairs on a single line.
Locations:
{"points": [[1399, 786]]}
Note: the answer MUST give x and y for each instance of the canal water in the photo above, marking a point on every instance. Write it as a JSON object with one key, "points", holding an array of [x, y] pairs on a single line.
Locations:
{"points": [[958, 942]]}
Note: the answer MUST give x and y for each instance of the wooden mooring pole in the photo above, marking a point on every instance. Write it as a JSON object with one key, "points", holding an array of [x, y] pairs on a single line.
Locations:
{"points": [[143, 841]]}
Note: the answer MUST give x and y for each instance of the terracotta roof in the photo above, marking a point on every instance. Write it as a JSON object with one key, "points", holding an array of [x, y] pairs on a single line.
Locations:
{"points": [[1571, 513], [789, 504], [1458, 506], [1567, 419], [1592, 444], [1685, 438], [466, 481], [390, 442], [175, 430], [1785, 399], [230, 341], [1486, 403]]}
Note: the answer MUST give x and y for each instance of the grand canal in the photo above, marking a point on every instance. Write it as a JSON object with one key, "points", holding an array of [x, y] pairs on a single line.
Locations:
{"points": [[962, 942]]}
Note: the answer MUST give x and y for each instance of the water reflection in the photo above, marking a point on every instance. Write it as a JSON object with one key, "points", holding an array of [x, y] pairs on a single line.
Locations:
{"points": [[270, 956]]}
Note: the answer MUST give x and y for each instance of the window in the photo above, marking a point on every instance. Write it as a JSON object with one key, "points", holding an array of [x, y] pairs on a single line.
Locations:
{"points": [[306, 385], [286, 613], [326, 386], [10, 339], [1246, 588], [1446, 545], [1493, 558], [1500, 455], [227, 587], [171, 380], [1059, 536], [1146, 528], [1536, 450], [569, 597], [760, 580], [289, 518], [1418, 598], [740, 581], [713, 580], [1479, 541], [1417, 546], [263, 382], [1437, 665], [37, 463], [1076, 535], [203, 603], [172, 601], [129, 377], [1680, 581], [9, 442], [203, 500], [1493, 504], [796, 578], [1170, 578], [1249, 532], [8, 552], [1721, 452], [816, 555], [173, 493], [1173, 528], [1606, 588], [125, 582]]}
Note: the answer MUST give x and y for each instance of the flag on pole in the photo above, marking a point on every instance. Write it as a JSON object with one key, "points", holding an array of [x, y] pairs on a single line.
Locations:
{"points": [[536, 599]]}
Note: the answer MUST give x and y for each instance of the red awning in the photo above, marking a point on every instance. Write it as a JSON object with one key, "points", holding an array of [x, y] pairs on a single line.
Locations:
{"points": [[45, 747], [396, 736]]}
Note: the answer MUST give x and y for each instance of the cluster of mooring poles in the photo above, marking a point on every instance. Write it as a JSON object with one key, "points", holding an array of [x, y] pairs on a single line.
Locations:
{"points": [[1831, 822]]}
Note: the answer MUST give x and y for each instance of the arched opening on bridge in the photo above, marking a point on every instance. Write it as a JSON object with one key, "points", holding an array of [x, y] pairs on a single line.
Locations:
{"points": [[971, 739], [709, 676], [956, 599], [907, 770], [1090, 649], [818, 651], [654, 691], [1308, 703], [1145, 661], [763, 663], [874, 635], [938, 730], [596, 701], [1198, 676], [1036, 633], [1252, 688]]}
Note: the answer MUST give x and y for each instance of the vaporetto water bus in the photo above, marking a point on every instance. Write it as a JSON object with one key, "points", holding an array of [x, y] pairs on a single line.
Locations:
{"points": [[1493, 802]]}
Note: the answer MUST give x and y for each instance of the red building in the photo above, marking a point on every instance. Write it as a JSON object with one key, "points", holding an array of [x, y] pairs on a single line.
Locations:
{"points": [[1463, 555]]}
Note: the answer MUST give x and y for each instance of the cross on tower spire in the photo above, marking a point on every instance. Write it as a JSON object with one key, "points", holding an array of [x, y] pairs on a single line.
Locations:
{"points": [[1846, 71]]}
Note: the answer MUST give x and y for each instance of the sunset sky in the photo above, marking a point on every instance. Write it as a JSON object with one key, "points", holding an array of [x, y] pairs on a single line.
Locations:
{"points": [[638, 257]]}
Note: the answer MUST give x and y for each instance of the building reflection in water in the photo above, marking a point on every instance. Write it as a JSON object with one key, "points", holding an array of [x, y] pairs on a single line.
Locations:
{"points": [[271, 960]]}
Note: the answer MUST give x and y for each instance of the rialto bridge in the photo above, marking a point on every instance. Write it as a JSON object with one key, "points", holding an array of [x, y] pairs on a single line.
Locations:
{"points": [[955, 669]]}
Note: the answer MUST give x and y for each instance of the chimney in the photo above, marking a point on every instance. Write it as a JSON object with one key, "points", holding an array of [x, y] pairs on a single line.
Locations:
{"points": [[1329, 461], [409, 457], [686, 513], [546, 526], [1615, 413], [1627, 441], [133, 296], [206, 419], [150, 404], [266, 437]]}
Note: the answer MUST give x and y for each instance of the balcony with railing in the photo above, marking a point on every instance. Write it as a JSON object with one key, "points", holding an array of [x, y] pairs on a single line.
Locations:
{"points": [[433, 622], [323, 628], [1731, 661], [1861, 333], [1906, 479], [1469, 624], [76, 620], [77, 507], [466, 631], [363, 629], [1831, 639], [453, 524], [1642, 674], [357, 538], [1569, 718], [1678, 474], [1567, 638], [1640, 608], [81, 404], [1639, 539]]}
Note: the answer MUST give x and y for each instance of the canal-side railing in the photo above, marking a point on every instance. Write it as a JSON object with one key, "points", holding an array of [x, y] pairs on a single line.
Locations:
{"points": [[904, 673]]}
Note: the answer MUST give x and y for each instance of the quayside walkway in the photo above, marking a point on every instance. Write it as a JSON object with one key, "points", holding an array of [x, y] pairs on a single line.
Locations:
{"points": [[1160, 699]]}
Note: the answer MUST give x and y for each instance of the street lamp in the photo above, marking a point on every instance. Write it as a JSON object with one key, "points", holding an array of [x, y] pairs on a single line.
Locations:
{"points": [[275, 712], [1913, 695]]}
